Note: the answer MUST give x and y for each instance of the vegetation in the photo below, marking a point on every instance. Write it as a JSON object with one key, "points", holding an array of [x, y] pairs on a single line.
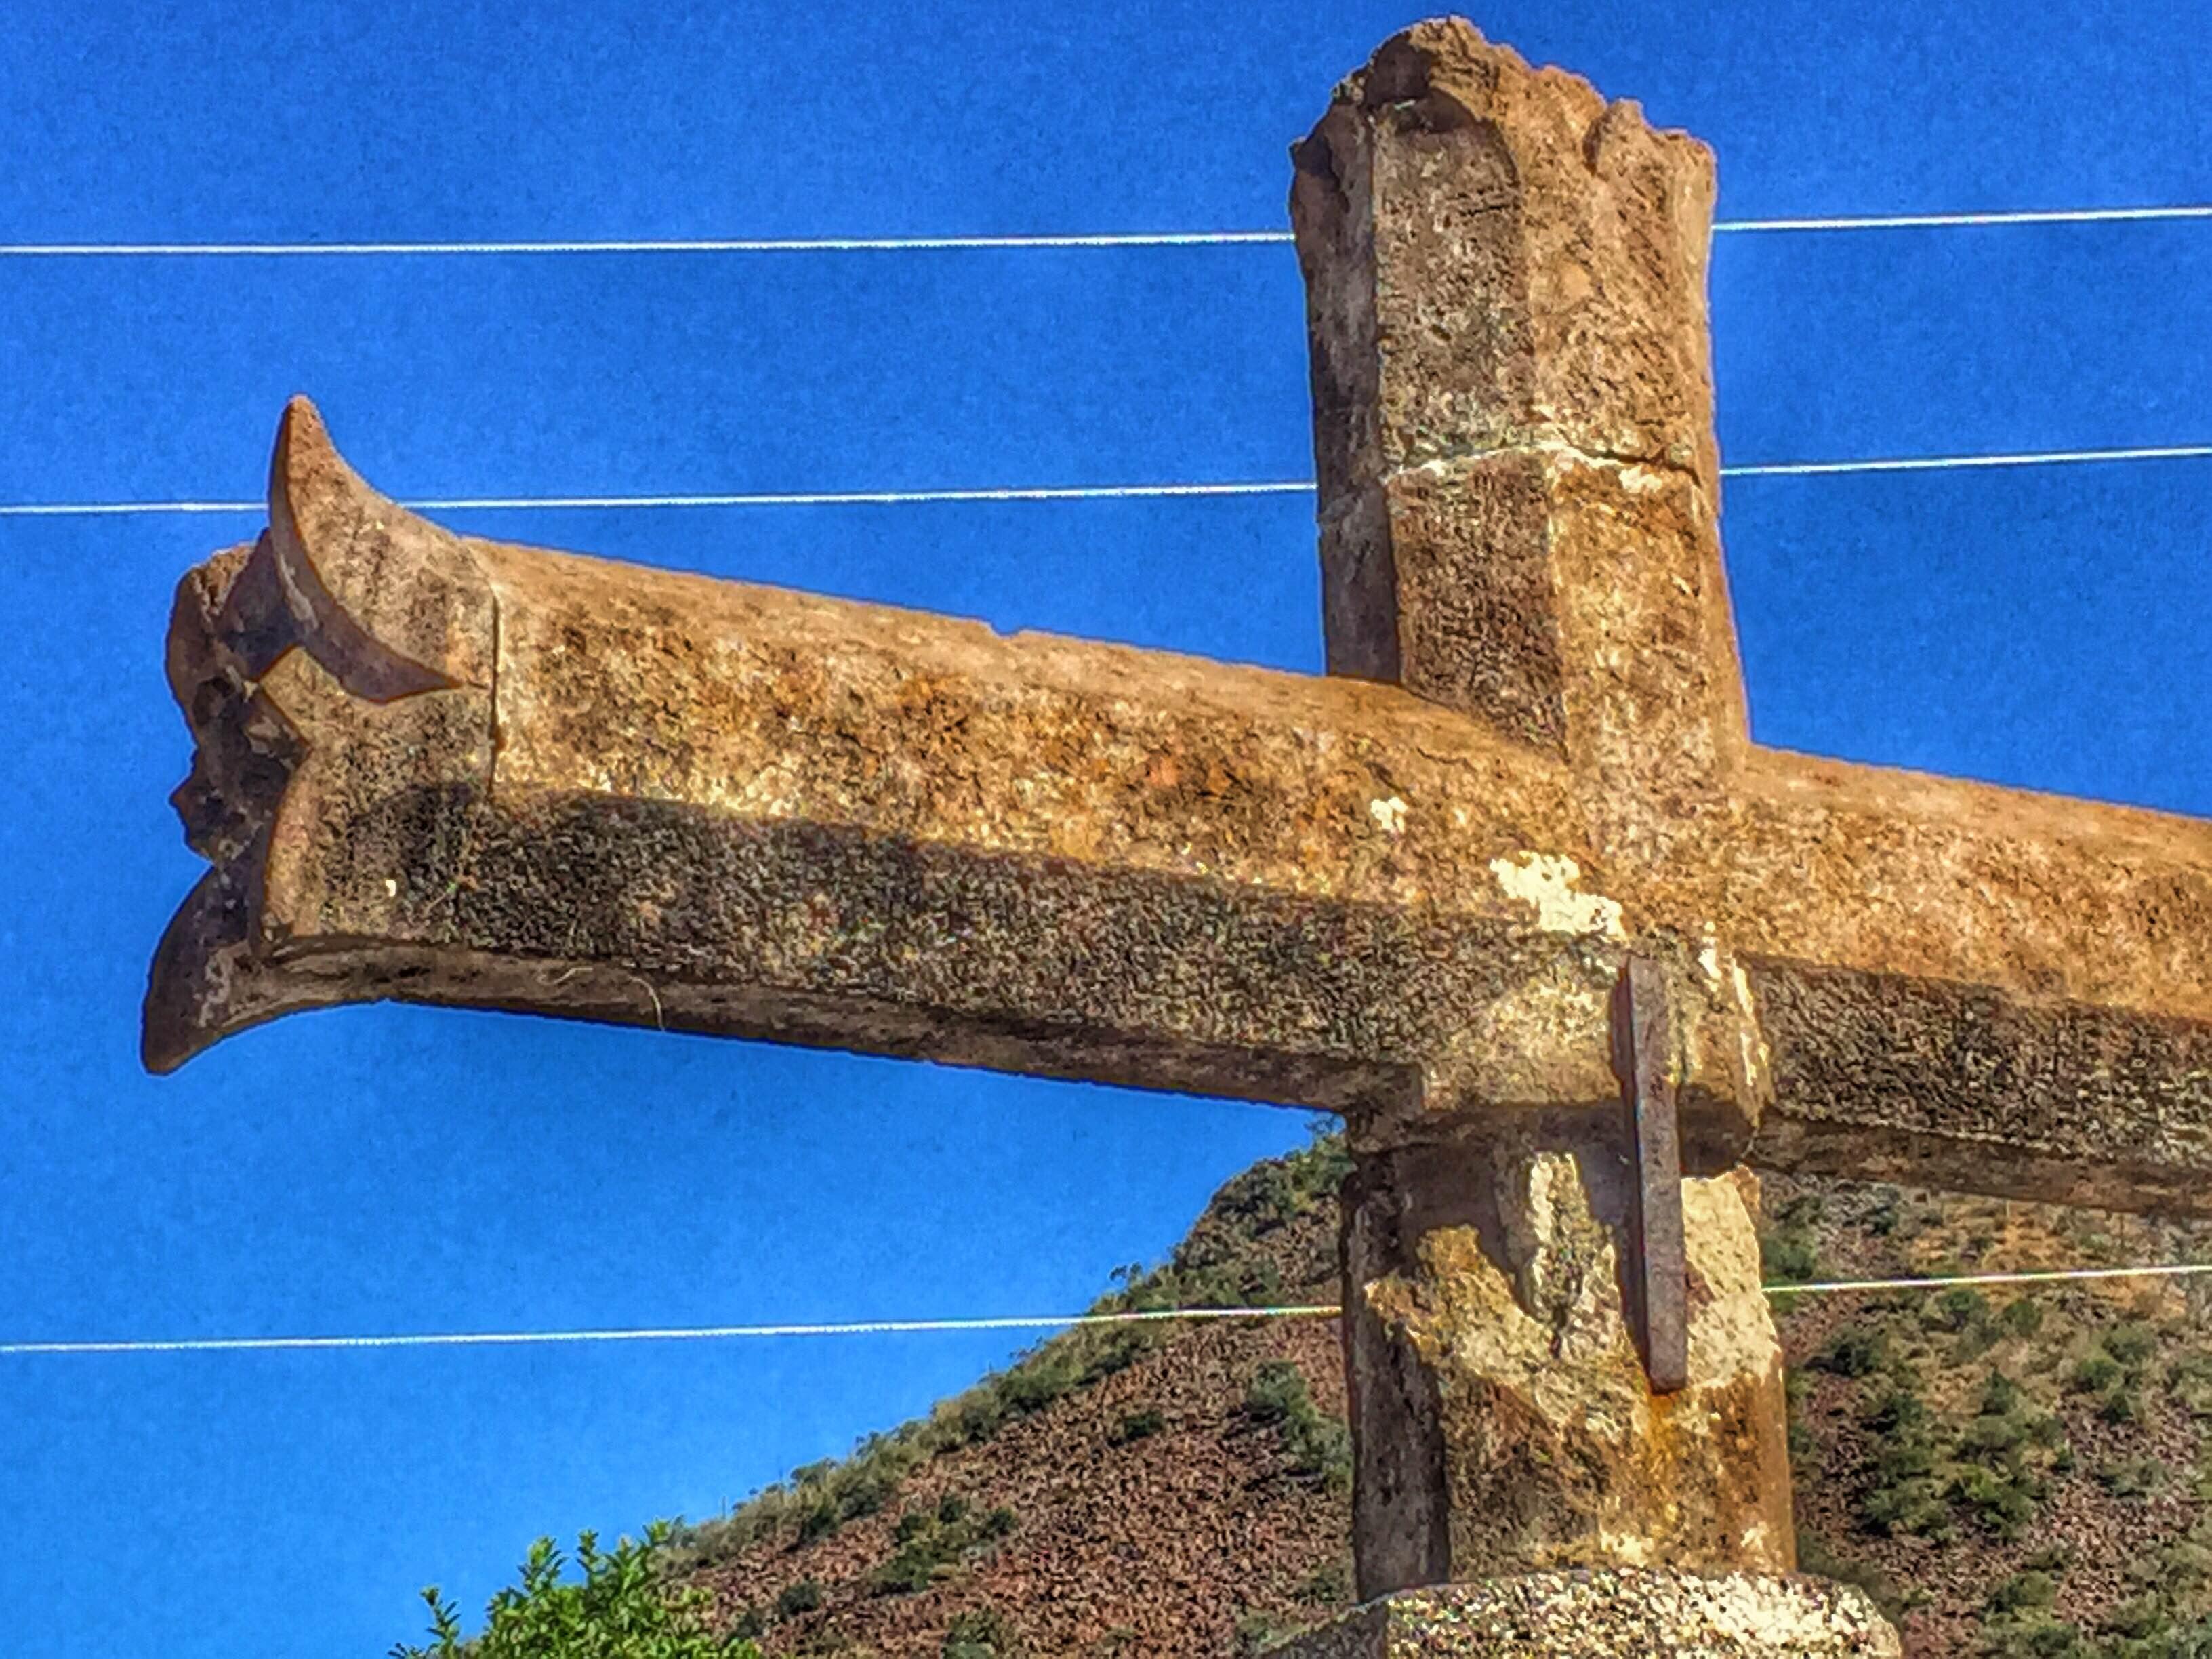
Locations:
{"points": [[1220, 1265], [981, 1634], [1257, 1632], [622, 1610], [1137, 1426], [1933, 1435], [1319, 1445], [1933, 1468], [1788, 1249], [1960, 1418], [933, 1540], [802, 1595]]}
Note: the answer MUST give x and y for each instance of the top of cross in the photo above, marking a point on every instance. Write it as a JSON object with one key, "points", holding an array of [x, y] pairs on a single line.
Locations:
{"points": [[450, 770]]}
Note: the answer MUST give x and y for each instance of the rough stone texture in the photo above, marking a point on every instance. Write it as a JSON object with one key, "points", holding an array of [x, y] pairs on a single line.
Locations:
{"points": [[631, 794], [1609, 1613], [456, 771], [1501, 1418], [1513, 410]]}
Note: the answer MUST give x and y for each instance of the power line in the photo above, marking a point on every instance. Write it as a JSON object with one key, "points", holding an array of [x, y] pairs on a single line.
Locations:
{"points": [[1947, 220], [2040, 1276], [1073, 492], [677, 1334], [820, 498], [940, 244], [671, 245], [1936, 463], [1047, 1321]]}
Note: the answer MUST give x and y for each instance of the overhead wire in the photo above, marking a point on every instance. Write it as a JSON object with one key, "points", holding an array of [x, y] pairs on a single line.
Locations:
{"points": [[1044, 239], [1885, 222], [1073, 492], [1041, 1322], [1039, 493]]}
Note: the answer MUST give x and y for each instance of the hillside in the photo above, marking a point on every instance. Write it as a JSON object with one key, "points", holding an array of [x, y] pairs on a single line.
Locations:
{"points": [[2009, 1473]]}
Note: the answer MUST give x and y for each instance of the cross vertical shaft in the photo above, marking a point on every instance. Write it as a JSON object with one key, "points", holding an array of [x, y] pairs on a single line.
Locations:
{"points": [[1518, 509]]}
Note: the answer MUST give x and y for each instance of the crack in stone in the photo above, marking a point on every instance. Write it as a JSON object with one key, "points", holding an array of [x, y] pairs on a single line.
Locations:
{"points": [[1339, 506]]}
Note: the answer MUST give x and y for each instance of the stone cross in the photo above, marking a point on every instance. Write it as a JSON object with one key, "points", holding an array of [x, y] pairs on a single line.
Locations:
{"points": [[1510, 888]]}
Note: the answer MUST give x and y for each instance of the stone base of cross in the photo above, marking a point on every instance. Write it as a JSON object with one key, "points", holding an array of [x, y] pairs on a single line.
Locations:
{"points": [[1610, 1612], [1510, 888]]}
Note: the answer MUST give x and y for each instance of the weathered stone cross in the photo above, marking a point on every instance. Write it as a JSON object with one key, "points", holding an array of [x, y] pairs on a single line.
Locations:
{"points": [[1519, 838]]}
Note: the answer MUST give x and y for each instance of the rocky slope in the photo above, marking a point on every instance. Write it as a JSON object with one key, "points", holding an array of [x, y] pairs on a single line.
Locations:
{"points": [[2014, 1470]]}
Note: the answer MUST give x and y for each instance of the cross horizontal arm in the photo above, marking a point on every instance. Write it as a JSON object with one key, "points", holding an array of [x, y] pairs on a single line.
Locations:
{"points": [[470, 772], [444, 770], [1981, 988]]}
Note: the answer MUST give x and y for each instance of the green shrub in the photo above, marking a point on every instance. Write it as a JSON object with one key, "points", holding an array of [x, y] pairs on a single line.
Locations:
{"points": [[804, 1596], [1988, 1435], [1852, 1351], [1258, 1631], [2024, 1590], [620, 1611], [2022, 1317], [2183, 1566], [1277, 1390], [1117, 1350], [2131, 1477], [2034, 1634], [1137, 1426], [980, 1633], [1035, 1384], [1787, 1257], [928, 1542], [1961, 1308], [1321, 1446], [2121, 1405], [2095, 1372], [865, 1491], [1318, 1445], [1900, 1411], [1805, 1449], [2139, 1617], [2188, 1379], [2003, 1500], [1909, 1494], [2131, 1343], [913, 1568]]}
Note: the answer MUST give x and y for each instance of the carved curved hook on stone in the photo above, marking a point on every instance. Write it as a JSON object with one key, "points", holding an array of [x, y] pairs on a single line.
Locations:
{"points": [[349, 613]]}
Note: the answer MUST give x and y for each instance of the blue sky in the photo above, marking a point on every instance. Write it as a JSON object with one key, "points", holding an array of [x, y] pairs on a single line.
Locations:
{"points": [[392, 1170]]}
